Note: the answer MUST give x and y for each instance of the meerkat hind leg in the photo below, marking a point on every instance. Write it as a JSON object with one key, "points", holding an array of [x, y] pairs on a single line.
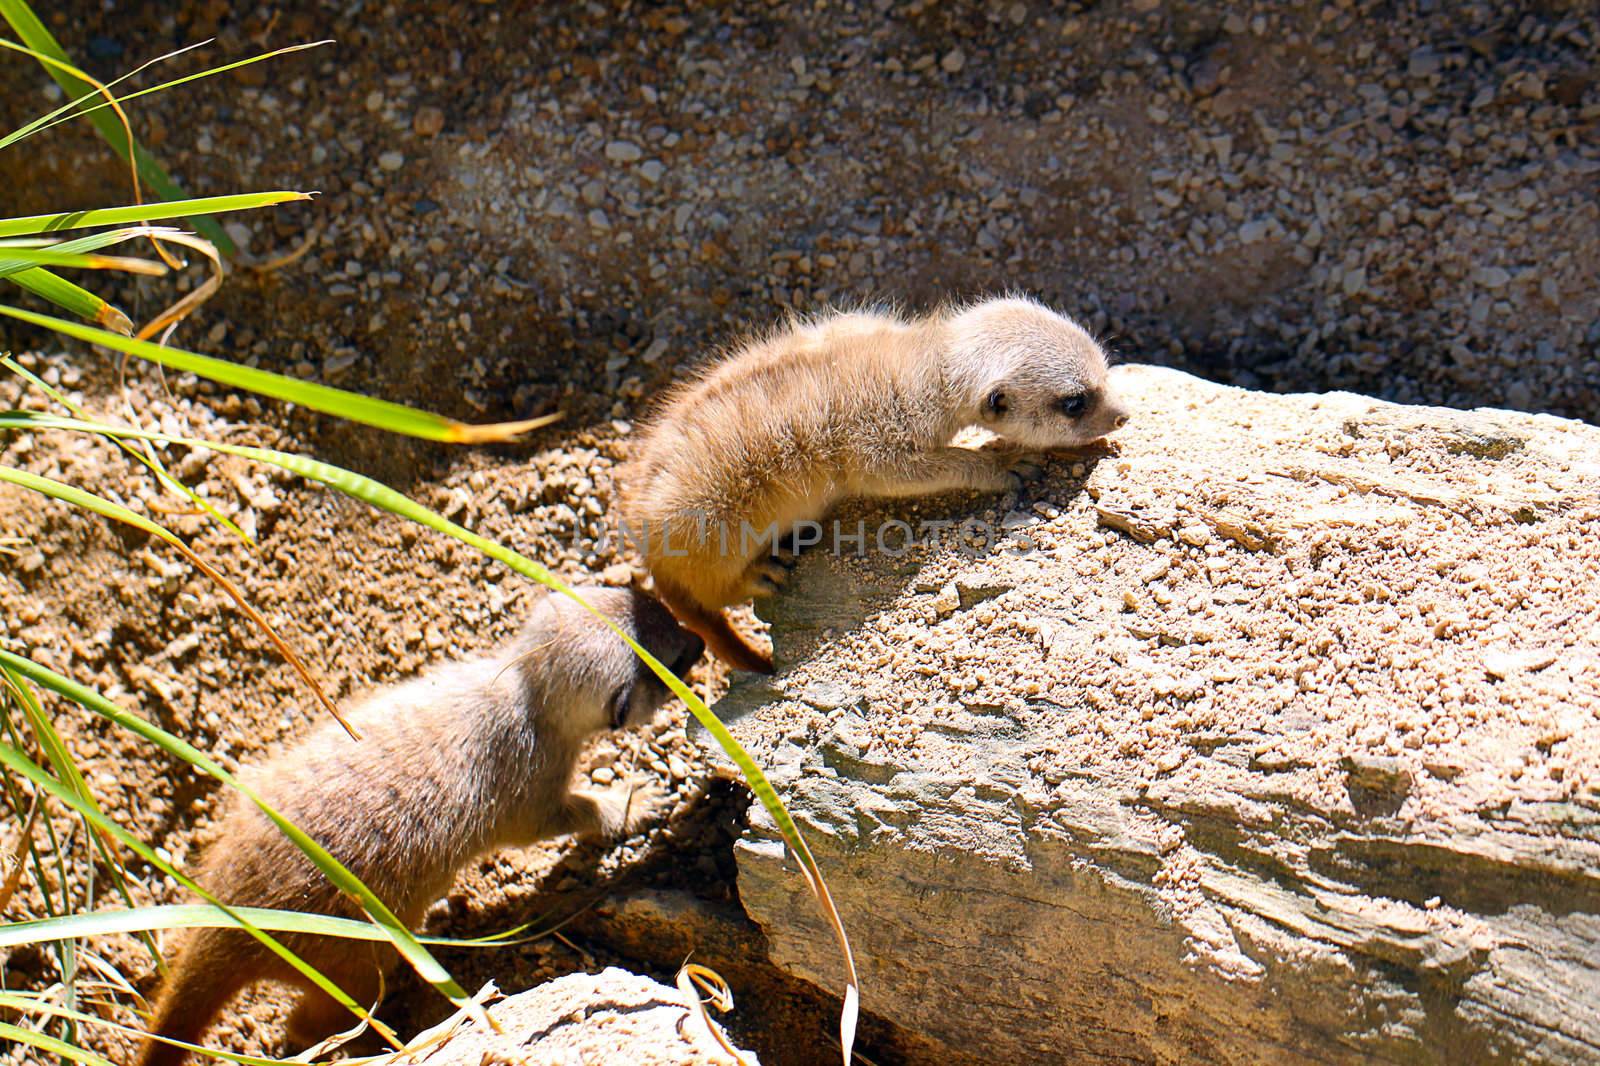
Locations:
{"points": [[950, 469], [318, 1015]]}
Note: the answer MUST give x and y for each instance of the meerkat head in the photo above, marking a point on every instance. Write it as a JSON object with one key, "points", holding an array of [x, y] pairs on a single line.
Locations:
{"points": [[1033, 376], [579, 663]]}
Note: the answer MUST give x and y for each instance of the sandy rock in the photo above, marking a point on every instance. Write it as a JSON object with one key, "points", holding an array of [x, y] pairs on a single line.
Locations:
{"points": [[612, 1016], [1277, 742]]}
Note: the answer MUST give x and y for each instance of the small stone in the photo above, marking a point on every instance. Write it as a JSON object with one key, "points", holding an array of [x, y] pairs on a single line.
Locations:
{"points": [[1501, 664], [391, 161], [239, 233], [953, 61], [1423, 63], [623, 152], [1491, 277], [651, 170]]}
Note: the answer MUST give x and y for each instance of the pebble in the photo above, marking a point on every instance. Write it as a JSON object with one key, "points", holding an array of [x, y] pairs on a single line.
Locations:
{"points": [[1491, 277], [391, 161], [623, 152]]}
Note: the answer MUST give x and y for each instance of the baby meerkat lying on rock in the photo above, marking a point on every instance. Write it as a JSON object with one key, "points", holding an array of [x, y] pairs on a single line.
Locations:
{"points": [[466, 759], [859, 404]]}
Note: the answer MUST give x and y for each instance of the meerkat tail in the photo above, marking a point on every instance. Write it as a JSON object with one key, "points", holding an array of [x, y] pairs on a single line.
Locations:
{"points": [[199, 986], [713, 627]]}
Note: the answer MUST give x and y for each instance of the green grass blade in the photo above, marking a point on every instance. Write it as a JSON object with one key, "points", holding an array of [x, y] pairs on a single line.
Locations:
{"points": [[19, 763], [394, 417], [50, 117], [426, 966], [43, 43], [73, 298], [203, 916], [89, 242], [23, 225], [58, 116], [22, 258], [88, 501], [70, 1052], [149, 459], [66, 769]]}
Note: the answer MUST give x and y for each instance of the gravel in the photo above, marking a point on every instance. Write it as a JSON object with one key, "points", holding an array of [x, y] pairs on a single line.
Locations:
{"points": [[1275, 195]]}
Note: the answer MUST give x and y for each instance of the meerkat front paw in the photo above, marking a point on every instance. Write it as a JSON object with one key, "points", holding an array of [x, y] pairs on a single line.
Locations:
{"points": [[1025, 466], [1017, 468], [765, 576], [628, 808]]}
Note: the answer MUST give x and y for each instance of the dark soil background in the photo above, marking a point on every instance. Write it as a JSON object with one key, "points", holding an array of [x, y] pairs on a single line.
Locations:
{"points": [[530, 207]]}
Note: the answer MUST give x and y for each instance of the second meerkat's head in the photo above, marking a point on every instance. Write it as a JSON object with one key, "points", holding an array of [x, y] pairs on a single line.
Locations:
{"points": [[578, 663], [1035, 377]]}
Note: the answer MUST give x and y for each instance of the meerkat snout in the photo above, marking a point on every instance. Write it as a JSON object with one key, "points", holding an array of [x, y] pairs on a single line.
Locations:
{"points": [[622, 686]]}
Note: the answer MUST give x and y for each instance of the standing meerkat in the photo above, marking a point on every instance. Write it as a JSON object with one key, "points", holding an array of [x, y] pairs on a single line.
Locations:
{"points": [[861, 404], [466, 759]]}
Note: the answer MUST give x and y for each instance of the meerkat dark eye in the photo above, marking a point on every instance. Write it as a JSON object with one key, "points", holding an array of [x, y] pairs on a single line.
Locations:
{"points": [[1073, 406], [618, 705], [995, 405]]}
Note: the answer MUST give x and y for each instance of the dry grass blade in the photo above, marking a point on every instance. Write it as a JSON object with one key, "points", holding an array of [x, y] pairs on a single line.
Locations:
{"points": [[425, 1042], [693, 980], [25, 257], [18, 854], [168, 320]]}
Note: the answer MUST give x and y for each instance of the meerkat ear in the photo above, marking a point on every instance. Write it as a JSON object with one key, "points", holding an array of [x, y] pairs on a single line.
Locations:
{"points": [[995, 405]]}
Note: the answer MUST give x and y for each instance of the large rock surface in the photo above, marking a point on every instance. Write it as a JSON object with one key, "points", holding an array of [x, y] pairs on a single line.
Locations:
{"points": [[1270, 736]]}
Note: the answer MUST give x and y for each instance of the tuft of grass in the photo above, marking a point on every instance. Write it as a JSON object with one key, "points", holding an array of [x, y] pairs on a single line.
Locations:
{"points": [[37, 768]]}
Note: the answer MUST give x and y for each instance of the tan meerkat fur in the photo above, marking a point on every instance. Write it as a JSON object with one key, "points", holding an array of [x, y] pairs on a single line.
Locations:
{"points": [[466, 759], [850, 404]]}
